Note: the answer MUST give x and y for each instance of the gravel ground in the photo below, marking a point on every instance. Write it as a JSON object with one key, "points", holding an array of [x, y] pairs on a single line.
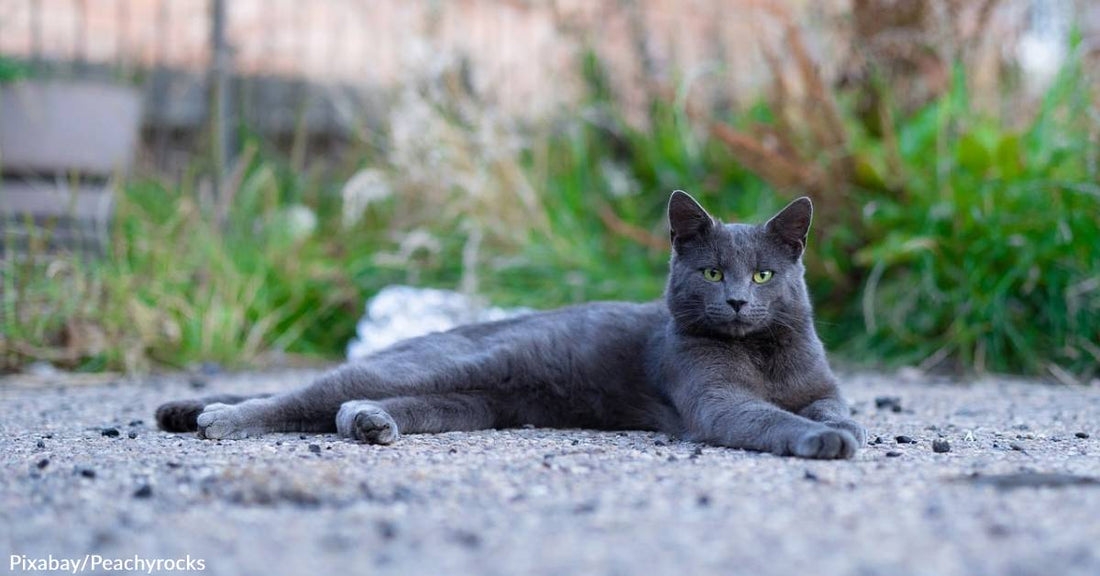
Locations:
{"points": [[84, 471]]}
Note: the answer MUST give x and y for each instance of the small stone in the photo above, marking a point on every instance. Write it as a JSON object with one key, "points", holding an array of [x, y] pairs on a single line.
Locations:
{"points": [[132, 435], [87, 472], [585, 508], [137, 423], [43, 463], [904, 440], [703, 500], [146, 491], [109, 432], [315, 448], [1017, 447], [877, 440], [807, 475], [696, 453], [888, 402], [386, 529], [40, 444], [893, 454], [301, 436], [197, 383], [173, 464], [467, 538], [941, 446], [1082, 435]]}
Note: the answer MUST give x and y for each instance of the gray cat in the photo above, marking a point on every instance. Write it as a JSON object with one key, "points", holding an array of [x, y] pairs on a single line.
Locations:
{"points": [[730, 357]]}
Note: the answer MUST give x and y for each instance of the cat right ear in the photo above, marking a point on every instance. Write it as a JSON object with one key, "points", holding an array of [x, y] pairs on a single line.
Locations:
{"points": [[686, 218]]}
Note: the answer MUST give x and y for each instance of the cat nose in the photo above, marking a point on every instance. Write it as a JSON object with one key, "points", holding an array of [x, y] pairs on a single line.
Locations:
{"points": [[736, 304]]}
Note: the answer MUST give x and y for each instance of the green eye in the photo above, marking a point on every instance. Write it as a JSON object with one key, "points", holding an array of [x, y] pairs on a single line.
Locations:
{"points": [[712, 274], [762, 276]]}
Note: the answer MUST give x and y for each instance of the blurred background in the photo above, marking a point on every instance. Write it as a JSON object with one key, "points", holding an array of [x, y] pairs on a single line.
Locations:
{"points": [[227, 181]]}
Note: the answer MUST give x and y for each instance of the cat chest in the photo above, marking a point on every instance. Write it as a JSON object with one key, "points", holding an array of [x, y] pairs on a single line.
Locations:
{"points": [[774, 381]]}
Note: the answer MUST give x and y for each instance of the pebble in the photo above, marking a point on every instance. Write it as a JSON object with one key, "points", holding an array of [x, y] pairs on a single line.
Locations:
{"points": [[1082, 435], [893, 454], [877, 440], [40, 444], [904, 440], [43, 463], [386, 529], [146, 491], [132, 435], [467, 539], [110, 432], [893, 403], [941, 446], [315, 448], [696, 453], [87, 472], [585, 508], [137, 423]]}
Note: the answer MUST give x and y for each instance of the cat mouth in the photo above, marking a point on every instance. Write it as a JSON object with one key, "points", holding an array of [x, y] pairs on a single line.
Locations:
{"points": [[739, 326]]}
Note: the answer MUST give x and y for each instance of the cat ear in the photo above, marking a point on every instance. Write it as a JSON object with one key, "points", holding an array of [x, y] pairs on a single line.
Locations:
{"points": [[686, 218], [792, 224]]}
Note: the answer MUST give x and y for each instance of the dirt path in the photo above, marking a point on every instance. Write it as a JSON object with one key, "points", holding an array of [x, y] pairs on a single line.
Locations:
{"points": [[560, 502]]}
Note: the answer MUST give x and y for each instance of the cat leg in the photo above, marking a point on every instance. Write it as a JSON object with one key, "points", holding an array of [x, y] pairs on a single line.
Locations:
{"points": [[309, 409], [738, 420], [182, 415], [382, 421], [431, 365], [834, 412], [296, 411]]}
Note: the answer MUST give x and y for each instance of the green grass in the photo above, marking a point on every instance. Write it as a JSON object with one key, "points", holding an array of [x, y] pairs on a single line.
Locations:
{"points": [[971, 243]]}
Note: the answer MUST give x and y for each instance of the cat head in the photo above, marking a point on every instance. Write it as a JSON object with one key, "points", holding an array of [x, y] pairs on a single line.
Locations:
{"points": [[733, 280]]}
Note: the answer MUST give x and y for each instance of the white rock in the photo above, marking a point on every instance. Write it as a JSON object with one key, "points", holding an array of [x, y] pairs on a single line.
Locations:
{"points": [[400, 312]]}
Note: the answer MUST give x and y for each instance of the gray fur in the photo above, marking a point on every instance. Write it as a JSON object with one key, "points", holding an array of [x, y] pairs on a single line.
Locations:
{"points": [[730, 362]]}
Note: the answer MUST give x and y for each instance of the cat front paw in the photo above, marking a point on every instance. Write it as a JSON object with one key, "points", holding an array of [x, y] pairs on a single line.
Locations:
{"points": [[851, 426], [826, 444], [221, 422]]}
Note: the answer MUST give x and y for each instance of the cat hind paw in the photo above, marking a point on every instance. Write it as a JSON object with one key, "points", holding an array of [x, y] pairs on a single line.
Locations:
{"points": [[220, 422], [366, 422]]}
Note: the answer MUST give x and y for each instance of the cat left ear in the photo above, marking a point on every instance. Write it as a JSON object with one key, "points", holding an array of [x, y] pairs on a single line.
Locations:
{"points": [[791, 225], [686, 218]]}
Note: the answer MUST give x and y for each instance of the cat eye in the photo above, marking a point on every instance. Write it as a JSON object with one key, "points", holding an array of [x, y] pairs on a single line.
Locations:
{"points": [[762, 276], [712, 274]]}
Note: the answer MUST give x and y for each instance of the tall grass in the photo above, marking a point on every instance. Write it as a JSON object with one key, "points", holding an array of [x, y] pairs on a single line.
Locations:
{"points": [[988, 255]]}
